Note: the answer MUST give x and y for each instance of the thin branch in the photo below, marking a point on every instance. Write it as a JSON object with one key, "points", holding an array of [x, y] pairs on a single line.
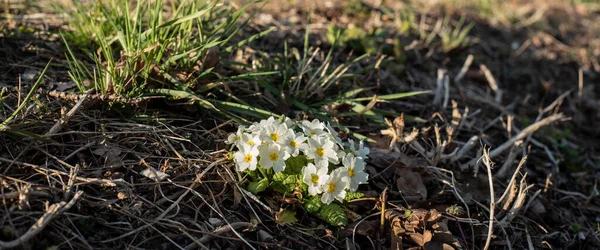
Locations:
{"points": [[464, 68], [487, 162], [53, 211], [62, 121], [439, 87], [493, 84], [446, 91], [527, 131], [221, 230]]}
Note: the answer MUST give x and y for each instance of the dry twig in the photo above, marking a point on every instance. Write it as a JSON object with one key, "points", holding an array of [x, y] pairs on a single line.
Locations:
{"points": [[492, 82], [53, 211], [487, 162]]}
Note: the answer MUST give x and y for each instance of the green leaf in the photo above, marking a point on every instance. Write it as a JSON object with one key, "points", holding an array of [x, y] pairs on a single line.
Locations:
{"points": [[294, 165], [353, 195], [391, 96], [358, 108], [286, 216], [333, 214], [251, 173], [28, 97], [256, 187], [304, 188], [313, 204], [284, 183]]}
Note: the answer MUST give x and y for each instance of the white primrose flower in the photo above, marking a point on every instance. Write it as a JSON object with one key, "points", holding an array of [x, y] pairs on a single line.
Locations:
{"points": [[314, 128], [315, 178], [246, 157], [340, 153], [276, 132], [334, 135], [334, 187], [361, 151], [289, 122], [259, 127], [249, 139], [321, 150], [294, 142], [354, 167], [235, 137], [273, 156]]}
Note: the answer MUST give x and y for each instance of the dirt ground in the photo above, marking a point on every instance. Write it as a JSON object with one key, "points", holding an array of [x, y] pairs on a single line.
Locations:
{"points": [[528, 99]]}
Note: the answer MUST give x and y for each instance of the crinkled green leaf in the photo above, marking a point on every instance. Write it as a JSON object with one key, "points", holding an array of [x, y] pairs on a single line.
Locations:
{"points": [[252, 174], [313, 204], [353, 195], [284, 183], [294, 165], [286, 216], [256, 187], [304, 188], [333, 214]]}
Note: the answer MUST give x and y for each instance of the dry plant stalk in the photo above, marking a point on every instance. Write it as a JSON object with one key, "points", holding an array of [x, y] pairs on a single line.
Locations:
{"points": [[514, 151], [493, 84], [53, 211], [446, 91], [439, 87], [58, 125], [527, 131], [464, 68], [488, 162]]}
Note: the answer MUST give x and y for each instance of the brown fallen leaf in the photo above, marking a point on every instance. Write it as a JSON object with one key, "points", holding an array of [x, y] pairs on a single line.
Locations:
{"points": [[397, 232], [417, 238], [365, 228], [394, 129], [383, 158], [410, 183]]}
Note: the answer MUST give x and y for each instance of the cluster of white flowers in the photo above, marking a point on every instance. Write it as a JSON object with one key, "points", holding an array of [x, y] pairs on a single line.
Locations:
{"points": [[270, 142]]}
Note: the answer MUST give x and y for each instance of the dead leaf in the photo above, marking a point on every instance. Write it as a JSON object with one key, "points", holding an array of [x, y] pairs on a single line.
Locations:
{"points": [[62, 86], [434, 215], [410, 183], [352, 216], [397, 233], [394, 129], [427, 236], [108, 151], [366, 228], [383, 158], [433, 245], [154, 174], [417, 239]]}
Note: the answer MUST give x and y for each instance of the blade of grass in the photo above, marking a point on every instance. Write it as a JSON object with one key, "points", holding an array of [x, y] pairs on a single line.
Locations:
{"points": [[179, 94], [391, 96], [249, 110], [29, 95]]}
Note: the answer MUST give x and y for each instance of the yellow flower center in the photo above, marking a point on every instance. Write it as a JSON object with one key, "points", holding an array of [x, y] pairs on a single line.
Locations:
{"points": [[331, 187], [314, 179], [275, 136], [248, 158], [312, 132], [251, 143], [263, 143], [274, 156], [320, 151], [237, 137], [293, 144], [351, 172]]}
